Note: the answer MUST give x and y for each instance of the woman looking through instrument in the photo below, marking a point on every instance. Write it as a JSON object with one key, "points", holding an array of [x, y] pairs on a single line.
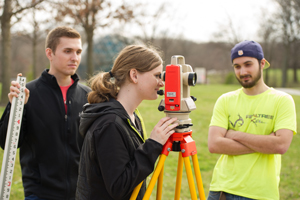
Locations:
{"points": [[116, 154]]}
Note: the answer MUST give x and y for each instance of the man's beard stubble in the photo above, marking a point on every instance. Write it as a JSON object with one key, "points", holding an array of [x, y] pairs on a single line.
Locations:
{"points": [[251, 83]]}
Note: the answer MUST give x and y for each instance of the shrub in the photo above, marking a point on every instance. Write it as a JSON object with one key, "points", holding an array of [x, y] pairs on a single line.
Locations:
{"points": [[230, 79]]}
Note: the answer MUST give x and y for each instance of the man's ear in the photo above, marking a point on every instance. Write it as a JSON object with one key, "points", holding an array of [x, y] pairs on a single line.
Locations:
{"points": [[263, 62], [133, 75], [49, 53]]}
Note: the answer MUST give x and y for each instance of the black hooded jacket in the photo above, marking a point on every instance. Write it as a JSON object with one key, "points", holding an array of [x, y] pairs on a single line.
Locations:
{"points": [[49, 140], [115, 157]]}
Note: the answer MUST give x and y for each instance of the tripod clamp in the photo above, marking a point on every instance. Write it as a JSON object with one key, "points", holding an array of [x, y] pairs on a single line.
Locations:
{"points": [[180, 142]]}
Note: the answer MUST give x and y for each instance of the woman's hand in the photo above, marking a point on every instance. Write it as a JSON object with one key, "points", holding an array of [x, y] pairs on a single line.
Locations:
{"points": [[163, 130]]}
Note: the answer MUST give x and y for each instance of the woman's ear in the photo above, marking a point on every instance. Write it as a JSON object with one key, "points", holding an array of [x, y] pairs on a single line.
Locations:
{"points": [[133, 75]]}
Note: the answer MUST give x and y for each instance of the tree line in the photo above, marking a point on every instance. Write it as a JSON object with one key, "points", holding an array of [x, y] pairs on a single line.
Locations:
{"points": [[279, 33]]}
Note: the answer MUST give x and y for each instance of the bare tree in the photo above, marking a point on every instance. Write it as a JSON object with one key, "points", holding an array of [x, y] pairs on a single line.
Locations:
{"points": [[228, 32], [157, 21], [10, 9], [165, 42], [91, 14], [295, 60], [296, 43], [39, 20], [269, 36], [145, 22], [35, 37], [289, 21]]}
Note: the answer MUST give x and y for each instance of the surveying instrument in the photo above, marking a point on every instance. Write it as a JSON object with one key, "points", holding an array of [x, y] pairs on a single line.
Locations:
{"points": [[12, 138], [177, 103]]}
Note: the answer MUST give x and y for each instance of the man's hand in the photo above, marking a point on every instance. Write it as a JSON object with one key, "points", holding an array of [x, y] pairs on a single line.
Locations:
{"points": [[14, 91]]}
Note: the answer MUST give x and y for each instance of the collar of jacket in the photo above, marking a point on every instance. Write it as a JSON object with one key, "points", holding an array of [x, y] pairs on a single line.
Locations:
{"points": [[48, 78], [142, 123], [129, 121]]}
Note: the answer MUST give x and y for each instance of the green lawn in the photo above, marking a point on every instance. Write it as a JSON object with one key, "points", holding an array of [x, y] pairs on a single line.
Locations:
{"points": [[206, 95]]}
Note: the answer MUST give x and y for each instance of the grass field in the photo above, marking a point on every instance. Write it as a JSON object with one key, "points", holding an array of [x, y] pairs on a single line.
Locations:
{"points": [[206, 95]]}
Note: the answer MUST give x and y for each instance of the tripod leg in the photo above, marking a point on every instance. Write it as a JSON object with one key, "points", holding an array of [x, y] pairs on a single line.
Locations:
{"points": [[160, 184], [179, 176], [156, 172], [136, 191], [189, 174], [198, 177]]}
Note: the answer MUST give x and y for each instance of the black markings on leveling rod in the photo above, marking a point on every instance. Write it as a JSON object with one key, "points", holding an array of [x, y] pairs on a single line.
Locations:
{"points": [[11, 143]]}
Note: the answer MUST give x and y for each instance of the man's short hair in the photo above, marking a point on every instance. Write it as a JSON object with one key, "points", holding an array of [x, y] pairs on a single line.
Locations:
{"points": [[55, 34]]}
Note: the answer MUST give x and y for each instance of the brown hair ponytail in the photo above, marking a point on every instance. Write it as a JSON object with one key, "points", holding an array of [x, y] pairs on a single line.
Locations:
{"points": [[102, 87]]}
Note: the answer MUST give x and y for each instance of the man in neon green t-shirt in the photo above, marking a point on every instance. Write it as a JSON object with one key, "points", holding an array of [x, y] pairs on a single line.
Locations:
{"points": [[250, 127]]}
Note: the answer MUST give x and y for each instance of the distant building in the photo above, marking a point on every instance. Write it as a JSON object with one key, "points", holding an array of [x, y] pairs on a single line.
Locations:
{"points": [[201, 75]]}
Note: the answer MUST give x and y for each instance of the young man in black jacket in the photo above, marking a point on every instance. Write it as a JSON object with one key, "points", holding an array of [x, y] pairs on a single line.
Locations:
{"points": [[49, 141]]}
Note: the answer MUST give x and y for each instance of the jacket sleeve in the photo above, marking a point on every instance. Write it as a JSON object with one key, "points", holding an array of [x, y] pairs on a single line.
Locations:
{"points": [[4, 126], [122, 172]]}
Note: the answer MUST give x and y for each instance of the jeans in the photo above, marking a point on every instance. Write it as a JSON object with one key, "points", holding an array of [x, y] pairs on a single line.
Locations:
{"points": [[33, 197], [216, 195]]}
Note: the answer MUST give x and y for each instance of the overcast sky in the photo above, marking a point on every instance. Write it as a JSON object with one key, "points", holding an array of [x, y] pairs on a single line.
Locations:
{"points": [[198, 20], [245, 15]]}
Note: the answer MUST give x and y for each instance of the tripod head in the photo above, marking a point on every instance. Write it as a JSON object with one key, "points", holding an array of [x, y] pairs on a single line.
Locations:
{"points": [[178, 78]]}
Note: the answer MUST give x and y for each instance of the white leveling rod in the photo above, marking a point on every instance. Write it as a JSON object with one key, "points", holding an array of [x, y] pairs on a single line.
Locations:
{"points": [[11, 143]]}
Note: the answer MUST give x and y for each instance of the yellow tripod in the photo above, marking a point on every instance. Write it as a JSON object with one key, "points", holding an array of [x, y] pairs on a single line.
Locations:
{"points": [[177, 142]]}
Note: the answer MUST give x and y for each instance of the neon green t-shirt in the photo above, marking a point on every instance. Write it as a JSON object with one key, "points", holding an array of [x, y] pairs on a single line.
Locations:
{"points": [[254, 175]]}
